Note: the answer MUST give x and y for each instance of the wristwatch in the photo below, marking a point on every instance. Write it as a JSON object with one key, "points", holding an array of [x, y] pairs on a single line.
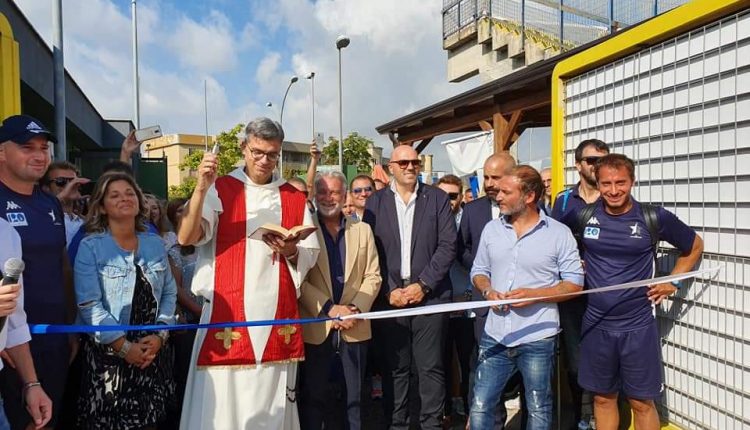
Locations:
{"points": [[163, 335], [486, 292], [425, 289], [123, 352], [677, 284]]}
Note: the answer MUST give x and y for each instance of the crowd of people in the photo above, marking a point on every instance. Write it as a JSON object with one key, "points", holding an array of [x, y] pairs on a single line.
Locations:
{"points": [[106, 253]]}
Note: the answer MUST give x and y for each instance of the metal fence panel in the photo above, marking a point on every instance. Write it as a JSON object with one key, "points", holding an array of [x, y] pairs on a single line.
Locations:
{"points": [[681, 110], [582, 20]]}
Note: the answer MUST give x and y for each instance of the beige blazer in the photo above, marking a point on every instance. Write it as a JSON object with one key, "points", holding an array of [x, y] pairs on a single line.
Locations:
{"points": [[361, 283]]}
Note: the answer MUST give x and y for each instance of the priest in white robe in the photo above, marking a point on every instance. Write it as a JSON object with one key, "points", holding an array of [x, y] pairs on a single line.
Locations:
{"points": [[245, 377]]}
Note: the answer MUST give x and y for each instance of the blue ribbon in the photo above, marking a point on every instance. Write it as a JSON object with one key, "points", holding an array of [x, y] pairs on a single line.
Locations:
{"points": [[55, 328]]}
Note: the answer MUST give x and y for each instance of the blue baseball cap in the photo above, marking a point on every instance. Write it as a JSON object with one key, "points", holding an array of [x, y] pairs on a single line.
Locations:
{"points": [[22, 128]]}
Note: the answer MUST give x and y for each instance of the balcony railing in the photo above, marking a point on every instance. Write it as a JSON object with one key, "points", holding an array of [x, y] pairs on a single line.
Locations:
{"points": [[569, 23]]}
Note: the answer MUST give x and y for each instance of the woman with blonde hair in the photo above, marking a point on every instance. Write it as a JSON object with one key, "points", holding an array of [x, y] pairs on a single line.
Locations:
{"points": [[122, 276], [157, 216]]}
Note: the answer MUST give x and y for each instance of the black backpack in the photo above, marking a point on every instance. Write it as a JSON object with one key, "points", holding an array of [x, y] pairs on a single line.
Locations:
{"points": [[649, 214]]}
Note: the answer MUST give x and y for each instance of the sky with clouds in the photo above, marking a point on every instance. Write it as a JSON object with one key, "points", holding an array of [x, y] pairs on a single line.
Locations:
{"points": [[247, 50]]}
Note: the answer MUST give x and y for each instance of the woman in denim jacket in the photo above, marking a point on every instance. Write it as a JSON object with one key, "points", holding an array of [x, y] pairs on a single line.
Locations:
{"points": [[122, 276]]}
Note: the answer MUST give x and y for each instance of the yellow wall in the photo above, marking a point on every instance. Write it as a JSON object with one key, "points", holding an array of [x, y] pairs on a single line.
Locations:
{"points": [[10, 76]]}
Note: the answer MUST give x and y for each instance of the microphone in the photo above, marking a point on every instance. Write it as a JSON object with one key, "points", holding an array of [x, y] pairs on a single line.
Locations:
{"points": [[13, 269]]}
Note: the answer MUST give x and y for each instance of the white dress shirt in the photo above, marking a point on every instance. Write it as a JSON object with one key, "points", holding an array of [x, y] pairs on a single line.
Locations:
{"points": [[405, 215]]}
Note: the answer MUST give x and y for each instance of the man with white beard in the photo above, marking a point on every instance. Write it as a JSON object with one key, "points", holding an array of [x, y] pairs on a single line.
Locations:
{"points": [[345, 280]]}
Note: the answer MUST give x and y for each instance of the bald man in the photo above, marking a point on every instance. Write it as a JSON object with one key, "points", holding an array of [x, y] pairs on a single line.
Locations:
{"points": [[415, 233]]}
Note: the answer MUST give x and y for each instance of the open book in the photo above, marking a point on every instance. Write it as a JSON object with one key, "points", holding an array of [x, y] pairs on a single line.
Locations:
{"points": [[302, 230]]}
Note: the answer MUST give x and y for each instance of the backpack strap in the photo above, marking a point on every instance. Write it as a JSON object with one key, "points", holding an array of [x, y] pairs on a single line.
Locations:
{"points": [[583, 218], [566, 195], [650, 214]]}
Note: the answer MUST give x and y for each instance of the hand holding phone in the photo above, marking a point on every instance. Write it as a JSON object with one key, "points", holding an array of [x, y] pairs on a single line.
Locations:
{"points": [[148, 133]]}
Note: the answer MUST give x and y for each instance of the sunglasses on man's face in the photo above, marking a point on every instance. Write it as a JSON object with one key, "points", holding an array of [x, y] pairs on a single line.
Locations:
{"points": [[360, 190], [405, 163], [591, 160], [453, 196], [61, 181]]}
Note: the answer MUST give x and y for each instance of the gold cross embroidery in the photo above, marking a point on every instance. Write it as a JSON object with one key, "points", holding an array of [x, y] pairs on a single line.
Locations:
{"points": [[287, 331], [228, 336]]}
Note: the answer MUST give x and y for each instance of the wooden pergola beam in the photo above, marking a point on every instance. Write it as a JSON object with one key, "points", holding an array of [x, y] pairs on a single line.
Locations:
{"points": [[423, 144], [448, 126]]}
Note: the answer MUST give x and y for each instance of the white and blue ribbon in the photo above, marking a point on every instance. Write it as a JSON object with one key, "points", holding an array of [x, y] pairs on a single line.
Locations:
{"points": [[394, 313]]}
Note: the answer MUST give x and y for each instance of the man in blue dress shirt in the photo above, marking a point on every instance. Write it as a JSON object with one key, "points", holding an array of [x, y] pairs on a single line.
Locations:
{"points": [[522, 255]]}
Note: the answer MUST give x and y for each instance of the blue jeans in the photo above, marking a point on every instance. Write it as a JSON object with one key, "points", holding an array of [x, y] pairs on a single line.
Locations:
{"points": [[4, 425], [496, 364]]}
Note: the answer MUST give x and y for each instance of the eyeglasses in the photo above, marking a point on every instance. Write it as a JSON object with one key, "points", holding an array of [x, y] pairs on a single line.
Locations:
{"points": [[258, 155], [453, 196], [61, 181], [361, 190], [405, 163], [591, 160]]}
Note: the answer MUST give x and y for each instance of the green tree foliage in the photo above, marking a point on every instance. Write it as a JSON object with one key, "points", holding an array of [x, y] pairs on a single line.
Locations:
{"points": [[229, 154], [356, 152]]}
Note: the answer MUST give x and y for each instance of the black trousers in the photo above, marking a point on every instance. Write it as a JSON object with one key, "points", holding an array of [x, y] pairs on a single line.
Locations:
{"points": [[334, 360], [417, 341], [460, 335]]}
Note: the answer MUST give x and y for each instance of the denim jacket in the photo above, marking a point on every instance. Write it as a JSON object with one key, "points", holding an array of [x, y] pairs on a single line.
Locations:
{"points": [[105, 278]]}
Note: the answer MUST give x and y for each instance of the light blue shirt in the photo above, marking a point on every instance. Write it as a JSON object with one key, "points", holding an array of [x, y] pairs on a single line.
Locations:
{"points": [[542, 257]]}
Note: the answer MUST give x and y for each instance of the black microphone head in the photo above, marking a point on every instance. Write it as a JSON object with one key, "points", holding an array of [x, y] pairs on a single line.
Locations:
{"points": [[13, 268]]}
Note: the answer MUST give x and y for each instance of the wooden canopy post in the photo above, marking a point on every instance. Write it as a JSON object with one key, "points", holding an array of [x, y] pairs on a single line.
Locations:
{"points": [[505, 130]]}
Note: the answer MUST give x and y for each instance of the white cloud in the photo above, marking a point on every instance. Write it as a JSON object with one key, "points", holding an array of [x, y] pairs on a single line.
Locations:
{"points": [[208, 46], [268, 68]]}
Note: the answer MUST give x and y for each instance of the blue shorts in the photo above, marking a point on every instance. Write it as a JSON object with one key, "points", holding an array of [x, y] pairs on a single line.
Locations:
{"points": [[627, 361]]}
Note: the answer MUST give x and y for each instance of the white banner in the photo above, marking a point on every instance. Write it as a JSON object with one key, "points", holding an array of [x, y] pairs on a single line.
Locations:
{"points": [[467, 154]]}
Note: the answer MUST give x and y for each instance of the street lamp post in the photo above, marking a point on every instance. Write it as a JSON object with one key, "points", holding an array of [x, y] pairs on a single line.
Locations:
{"points": [[341, 42], [311, 77], [291, 81], [281, 121]]}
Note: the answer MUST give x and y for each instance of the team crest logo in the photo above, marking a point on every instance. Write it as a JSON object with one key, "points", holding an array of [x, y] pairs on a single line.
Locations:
{"points": [[16, 219], [591, 233]]}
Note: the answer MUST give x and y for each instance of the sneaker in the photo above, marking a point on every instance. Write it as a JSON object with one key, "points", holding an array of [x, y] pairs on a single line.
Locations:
{"points": [[377, 388]]}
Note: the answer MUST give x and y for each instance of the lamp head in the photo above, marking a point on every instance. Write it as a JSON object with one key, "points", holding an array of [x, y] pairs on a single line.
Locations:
{"points": [[342, 42], [269, 104], [310, 75], [294, 79]]}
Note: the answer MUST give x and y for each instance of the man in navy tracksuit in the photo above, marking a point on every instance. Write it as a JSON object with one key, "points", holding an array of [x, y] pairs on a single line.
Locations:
{"points": [[620, 348]]}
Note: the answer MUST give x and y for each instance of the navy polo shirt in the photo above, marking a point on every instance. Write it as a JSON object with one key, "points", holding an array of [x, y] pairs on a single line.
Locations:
{"points": [[38, 218], [336, 249], [617, 249]]}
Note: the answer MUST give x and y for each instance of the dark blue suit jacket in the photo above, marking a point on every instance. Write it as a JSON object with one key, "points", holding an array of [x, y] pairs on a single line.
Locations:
{"points": [[477, 214], [433, 240]]}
